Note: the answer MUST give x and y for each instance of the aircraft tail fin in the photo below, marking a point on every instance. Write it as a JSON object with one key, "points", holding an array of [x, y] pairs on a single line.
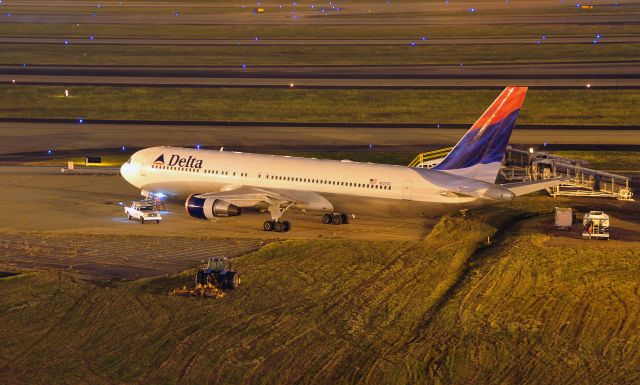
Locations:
{"points": [[479, 153]]}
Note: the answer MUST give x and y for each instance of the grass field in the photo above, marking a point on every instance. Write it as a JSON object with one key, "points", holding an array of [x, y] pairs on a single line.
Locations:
{"points": [[433, 311], [607, 160], [312, 105], [255, 55]]}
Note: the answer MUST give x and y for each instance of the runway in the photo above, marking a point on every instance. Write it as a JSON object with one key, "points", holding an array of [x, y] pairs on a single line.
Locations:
{"points": [[568, 74], [257, 41], [38, 137], [304, 18]]}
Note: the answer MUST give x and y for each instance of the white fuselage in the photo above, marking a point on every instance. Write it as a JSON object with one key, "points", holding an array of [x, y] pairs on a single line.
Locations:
{"points": [[323, 185]]}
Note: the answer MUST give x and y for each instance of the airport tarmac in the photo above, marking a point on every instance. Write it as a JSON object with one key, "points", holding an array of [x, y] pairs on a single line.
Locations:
{"points": [[625, 74], [53, 220], [298, 16], [313, 41], [47, 201]]}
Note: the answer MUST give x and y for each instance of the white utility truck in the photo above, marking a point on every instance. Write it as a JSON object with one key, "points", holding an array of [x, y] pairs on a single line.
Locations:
{"points": [[142, 211], [596, 225]]}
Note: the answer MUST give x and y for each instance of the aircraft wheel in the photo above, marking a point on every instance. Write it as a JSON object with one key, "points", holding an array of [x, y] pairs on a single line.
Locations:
{"points": [[268, 226], [327, 219], [279, 227], [337, 219]]}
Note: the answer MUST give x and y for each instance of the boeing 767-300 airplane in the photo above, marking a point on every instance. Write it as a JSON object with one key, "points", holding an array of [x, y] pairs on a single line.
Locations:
{"points": [[221, 183]]}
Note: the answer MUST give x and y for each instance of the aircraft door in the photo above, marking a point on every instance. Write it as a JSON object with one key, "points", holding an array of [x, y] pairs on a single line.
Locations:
{"points": [[406, 189], [143, 163]]}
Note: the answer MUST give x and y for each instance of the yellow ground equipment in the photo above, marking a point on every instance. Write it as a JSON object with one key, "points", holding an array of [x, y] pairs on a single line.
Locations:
{"points": [[431, 158], [207, 290]]}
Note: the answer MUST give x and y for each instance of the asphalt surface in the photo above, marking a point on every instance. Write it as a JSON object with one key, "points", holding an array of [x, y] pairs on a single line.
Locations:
{"points": [[307, 42], [578, 74], [360, 17], [38, 137]]}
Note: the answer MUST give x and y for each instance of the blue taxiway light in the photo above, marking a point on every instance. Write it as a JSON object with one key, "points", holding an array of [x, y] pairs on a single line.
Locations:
{"points": [[123, 148], [423, 38], [80, 120], [49, 152], [472, 10], [198, 146]]}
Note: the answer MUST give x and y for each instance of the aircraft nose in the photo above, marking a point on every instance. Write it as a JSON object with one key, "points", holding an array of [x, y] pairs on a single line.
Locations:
{"points": [[124, 171], [499, 193]]}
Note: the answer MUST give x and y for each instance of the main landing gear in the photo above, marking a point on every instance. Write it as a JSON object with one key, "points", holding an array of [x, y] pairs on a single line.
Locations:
{"points": [[336, 219], [277, 226]]}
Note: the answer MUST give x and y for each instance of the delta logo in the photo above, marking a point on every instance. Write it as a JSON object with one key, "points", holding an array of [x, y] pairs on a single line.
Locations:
{"points": [[177, 160]]}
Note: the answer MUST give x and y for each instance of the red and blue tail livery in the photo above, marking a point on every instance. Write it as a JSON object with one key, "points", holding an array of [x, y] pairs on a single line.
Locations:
{"points": [[479, 153]]}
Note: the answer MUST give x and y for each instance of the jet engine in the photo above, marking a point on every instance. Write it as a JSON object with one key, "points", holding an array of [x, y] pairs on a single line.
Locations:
{"points": [[207, 208]]}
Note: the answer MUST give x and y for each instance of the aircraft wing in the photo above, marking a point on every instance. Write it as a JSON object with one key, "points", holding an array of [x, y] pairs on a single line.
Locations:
{"points": [[522, 188], [249, 196]]}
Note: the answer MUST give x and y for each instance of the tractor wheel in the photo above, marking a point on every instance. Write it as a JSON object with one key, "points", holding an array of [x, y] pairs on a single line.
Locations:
{"points": [[142, 221], [158, 221], [232, 280], [327, 219], [268, 226], [345, 218], [337, 219], [287, 226], [279, 227], [128, 217]]}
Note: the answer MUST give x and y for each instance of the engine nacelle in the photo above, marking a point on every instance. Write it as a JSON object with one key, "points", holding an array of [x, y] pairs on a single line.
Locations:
{"points": [[210, 208]]}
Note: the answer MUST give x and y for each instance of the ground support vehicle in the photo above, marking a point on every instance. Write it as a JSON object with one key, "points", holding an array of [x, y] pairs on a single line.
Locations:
{"points": [[142, 211], [595, 225]]}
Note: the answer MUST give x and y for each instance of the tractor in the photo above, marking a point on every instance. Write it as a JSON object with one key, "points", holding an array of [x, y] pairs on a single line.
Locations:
{"points": [[219, 274]]}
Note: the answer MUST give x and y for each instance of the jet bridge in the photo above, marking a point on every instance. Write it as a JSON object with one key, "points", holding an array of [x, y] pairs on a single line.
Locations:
{"points": [[522, 166], [580, 180]]}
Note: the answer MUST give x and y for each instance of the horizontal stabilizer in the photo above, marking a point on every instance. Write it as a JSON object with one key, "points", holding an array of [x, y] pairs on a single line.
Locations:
{"points": [[523, 188]]}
